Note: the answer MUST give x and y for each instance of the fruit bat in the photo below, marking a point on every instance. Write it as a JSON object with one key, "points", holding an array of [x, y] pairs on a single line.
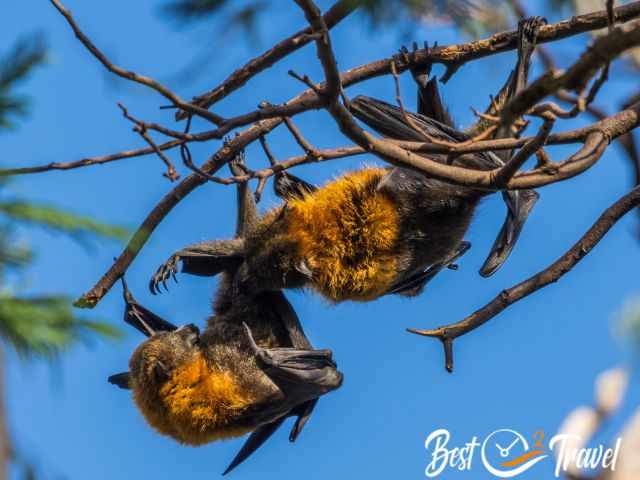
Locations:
{"points": [[250, 369], [374, 231]]}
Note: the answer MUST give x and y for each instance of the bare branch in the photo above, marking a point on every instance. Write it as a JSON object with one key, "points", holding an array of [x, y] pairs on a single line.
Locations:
{"points": [[507, 172], [595, 138], [238, 78], [141, 128], [129, 75], [88, 161], [452, 56], [601, 52], [551, 274], [170, 200], [311, 151], [595, 141]]}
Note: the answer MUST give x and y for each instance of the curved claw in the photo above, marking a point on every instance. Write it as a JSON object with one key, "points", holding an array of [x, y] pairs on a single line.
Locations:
{"points": [[238, 165], [164, 272]]}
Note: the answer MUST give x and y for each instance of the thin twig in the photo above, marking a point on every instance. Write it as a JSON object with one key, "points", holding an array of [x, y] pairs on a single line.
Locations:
{"points": [[599, 54], [267, 119], [309, 149], [239, 77], [129, 75], [141, 129], [88, 161], [506, 173]]}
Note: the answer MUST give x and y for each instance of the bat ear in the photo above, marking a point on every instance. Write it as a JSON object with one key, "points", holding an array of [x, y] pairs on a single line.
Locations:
{"points": [[121, 380]]}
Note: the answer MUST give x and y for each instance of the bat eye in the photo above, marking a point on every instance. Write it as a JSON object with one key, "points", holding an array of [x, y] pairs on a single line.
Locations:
{"points": [[191, 334]]}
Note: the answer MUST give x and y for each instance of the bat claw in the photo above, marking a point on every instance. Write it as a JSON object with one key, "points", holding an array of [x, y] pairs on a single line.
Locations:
{"points": [[419, 73], [164, 272]]}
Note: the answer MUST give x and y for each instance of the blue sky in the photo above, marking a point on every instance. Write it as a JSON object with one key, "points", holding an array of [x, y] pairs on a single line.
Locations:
{"points": [[524, 370]]}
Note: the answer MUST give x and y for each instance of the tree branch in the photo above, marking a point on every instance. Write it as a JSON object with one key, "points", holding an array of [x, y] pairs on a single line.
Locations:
{"points": [[129, 75], [85, 162], [551, 274], [601, 52], [595, 139], [339, 11], [166, 204]]}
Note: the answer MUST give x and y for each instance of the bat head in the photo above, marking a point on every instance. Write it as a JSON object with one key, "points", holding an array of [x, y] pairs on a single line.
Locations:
{"points": [[155, 359]]}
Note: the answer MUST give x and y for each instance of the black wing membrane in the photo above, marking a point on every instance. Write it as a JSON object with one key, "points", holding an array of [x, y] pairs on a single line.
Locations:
{"points": [[302, 374], [414, 285], [388, 120], [254, 442]]}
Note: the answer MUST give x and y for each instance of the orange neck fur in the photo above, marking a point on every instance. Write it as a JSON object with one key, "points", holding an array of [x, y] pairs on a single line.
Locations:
{"points": [[197, 405]]}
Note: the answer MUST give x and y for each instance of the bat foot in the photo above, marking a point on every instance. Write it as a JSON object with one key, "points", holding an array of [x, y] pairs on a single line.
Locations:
{"points": [[529, 28], [420, 73], [164, 272]]}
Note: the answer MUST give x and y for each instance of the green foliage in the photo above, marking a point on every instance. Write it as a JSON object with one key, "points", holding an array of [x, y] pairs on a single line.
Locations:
{"points": [[45, 325], [62, 221], [15, 67]]}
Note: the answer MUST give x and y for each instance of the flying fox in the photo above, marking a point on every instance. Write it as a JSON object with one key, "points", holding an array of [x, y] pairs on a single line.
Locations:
{"points": [[373, 231], [250, 369]]}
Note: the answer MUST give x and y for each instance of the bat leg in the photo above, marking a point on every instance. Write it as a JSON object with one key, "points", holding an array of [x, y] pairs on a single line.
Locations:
{"points": [[204, 259], [519, 205], [247, 210], [430, 102], [288, 186], [414, 285], [420, 73], [141, 318], [528, 29]]}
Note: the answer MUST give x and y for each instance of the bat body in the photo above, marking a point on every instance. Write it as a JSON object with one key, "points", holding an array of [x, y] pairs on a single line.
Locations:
{"points": [[250, 369], [200, 388], [359, 237], [374, 231]]}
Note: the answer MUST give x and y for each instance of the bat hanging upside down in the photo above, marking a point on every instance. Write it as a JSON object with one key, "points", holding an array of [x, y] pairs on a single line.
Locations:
{"points": [[374, 231], [249, 370]]}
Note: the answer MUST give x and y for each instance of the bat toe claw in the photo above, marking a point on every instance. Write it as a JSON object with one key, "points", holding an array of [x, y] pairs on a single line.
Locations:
{"points": [[165, 271]]}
